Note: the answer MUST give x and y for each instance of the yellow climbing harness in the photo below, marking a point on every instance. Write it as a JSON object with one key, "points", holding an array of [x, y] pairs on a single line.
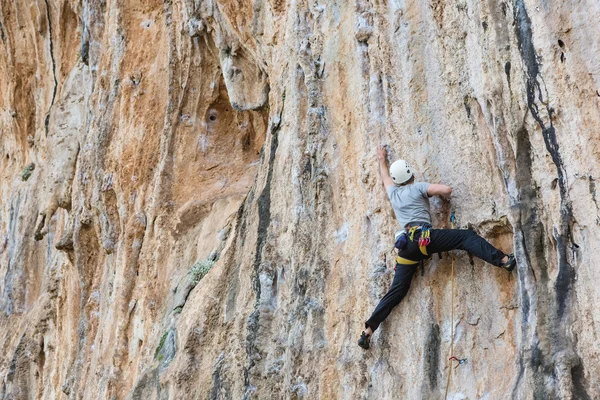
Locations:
{"points": [[424, 240], [405, 261]]}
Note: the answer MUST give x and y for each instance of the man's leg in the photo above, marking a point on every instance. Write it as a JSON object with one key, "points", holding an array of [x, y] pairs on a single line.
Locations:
{"points": [[464, 239], [402, 278]]}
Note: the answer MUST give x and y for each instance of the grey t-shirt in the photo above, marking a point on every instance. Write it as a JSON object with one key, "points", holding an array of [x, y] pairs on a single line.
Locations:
{"points": [[410, 202]]}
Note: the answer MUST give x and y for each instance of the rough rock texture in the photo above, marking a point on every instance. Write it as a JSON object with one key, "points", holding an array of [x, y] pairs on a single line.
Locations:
{"points": [[139, 138]]}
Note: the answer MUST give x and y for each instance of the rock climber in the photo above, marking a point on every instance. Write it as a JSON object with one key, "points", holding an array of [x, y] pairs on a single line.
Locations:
{"points": [[417, 241]]}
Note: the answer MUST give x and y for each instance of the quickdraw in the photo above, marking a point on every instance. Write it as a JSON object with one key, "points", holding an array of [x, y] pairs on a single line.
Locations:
{"points": [[425, 239], [460, 360]]}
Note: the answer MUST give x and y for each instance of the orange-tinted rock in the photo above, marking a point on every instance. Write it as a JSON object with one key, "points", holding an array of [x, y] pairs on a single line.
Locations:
{"points": [[242, 135]]}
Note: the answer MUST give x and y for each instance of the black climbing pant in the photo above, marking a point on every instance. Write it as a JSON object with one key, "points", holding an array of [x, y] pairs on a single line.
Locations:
{"points": [[441, 240]]}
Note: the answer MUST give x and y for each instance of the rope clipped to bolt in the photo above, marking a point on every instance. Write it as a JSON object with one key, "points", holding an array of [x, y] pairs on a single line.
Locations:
{"points": [[452, 357]]}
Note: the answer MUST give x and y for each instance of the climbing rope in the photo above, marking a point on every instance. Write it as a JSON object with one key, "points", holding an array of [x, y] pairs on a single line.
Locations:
{"points": [[452, 357]]}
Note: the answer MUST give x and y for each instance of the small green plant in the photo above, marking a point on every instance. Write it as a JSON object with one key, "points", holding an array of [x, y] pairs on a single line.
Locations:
{"points": [[177, 309], [27, 171], [199, 270], [161, 343]]}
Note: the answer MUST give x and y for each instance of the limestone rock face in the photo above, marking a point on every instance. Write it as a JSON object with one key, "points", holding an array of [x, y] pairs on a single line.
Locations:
{"points": [[190, 206]]}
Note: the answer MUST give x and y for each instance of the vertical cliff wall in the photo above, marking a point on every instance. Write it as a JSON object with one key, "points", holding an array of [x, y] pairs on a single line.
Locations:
{"points": [[190, 205]]}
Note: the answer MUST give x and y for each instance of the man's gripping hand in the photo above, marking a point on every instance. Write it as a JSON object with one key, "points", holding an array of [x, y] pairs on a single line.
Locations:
{"points": [[381, 153]]}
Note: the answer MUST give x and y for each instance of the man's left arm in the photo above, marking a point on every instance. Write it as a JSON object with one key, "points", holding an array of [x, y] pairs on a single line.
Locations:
{"points": [[383, 167]]}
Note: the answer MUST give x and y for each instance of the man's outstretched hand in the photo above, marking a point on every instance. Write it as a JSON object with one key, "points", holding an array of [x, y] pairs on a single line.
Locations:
{"points": [[383, 167], [381, 153]]}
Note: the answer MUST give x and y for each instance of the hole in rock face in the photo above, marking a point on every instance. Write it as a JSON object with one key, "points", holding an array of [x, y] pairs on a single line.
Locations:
{"points": [[561, 44], [215, 165], [562, 57]]}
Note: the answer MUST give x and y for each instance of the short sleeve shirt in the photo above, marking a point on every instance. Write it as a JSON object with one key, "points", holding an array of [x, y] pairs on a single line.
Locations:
{"points": [[410, 202]]}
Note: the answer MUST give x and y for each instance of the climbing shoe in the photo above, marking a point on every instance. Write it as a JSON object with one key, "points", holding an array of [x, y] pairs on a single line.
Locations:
{"points": [[510, 264], [364, 341]]}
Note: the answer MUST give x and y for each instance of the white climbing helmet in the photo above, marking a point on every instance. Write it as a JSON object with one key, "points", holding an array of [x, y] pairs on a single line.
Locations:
{"points": [[400, 172]]}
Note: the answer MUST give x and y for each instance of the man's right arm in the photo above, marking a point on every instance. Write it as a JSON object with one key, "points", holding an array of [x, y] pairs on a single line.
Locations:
{"points": [[436, 189]]}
